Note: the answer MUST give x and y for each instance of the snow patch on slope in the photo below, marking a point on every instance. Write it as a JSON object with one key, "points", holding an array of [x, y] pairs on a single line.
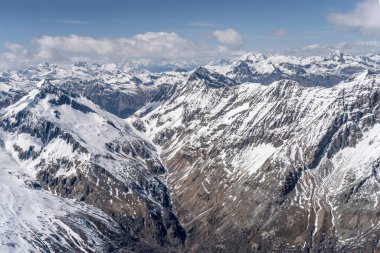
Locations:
{"points": [[252, 158]]}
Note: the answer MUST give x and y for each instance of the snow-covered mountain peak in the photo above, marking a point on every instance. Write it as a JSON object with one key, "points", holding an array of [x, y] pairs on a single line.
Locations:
{"points": [[42, 84], [253, 57], [210, 78], [336, 55], [44, 64]]}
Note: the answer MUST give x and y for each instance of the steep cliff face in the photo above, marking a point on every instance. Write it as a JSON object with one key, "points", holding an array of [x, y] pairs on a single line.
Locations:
{"points": [[277, 167], [75, 150]]}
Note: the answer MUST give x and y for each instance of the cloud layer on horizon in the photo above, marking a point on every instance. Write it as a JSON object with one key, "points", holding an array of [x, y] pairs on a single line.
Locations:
{"points": [[354, 48], [150, 45]]}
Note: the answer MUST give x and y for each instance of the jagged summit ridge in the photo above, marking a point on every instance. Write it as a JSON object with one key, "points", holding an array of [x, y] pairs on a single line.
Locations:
{"points": [[210, 79]]}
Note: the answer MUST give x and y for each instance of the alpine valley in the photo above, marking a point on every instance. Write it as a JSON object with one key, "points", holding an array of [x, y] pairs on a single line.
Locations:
{"points": [[248, 154]]}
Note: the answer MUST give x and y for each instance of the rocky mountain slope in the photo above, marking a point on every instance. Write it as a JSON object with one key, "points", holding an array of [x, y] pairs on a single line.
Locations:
{"points": [[279, 167], [61, 142], [251, 154]]}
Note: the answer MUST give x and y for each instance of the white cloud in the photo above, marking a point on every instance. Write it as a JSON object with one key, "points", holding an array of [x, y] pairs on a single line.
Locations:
{"points": [[365, 18], [155, 46], [151, 45], [280, 33], [15, 51], [16, 55], [311, 47], [360, 47], [229, 39]]}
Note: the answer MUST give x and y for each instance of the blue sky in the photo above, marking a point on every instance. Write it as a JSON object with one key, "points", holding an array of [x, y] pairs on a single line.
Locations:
{"points": [[257, 25]]}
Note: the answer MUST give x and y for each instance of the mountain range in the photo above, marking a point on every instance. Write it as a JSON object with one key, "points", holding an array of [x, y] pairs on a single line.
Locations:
{"points": [[248, 154]]}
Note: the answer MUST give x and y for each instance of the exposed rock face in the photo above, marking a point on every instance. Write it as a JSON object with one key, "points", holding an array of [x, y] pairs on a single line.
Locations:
{"points": [[280, 167], [116, 101]]}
